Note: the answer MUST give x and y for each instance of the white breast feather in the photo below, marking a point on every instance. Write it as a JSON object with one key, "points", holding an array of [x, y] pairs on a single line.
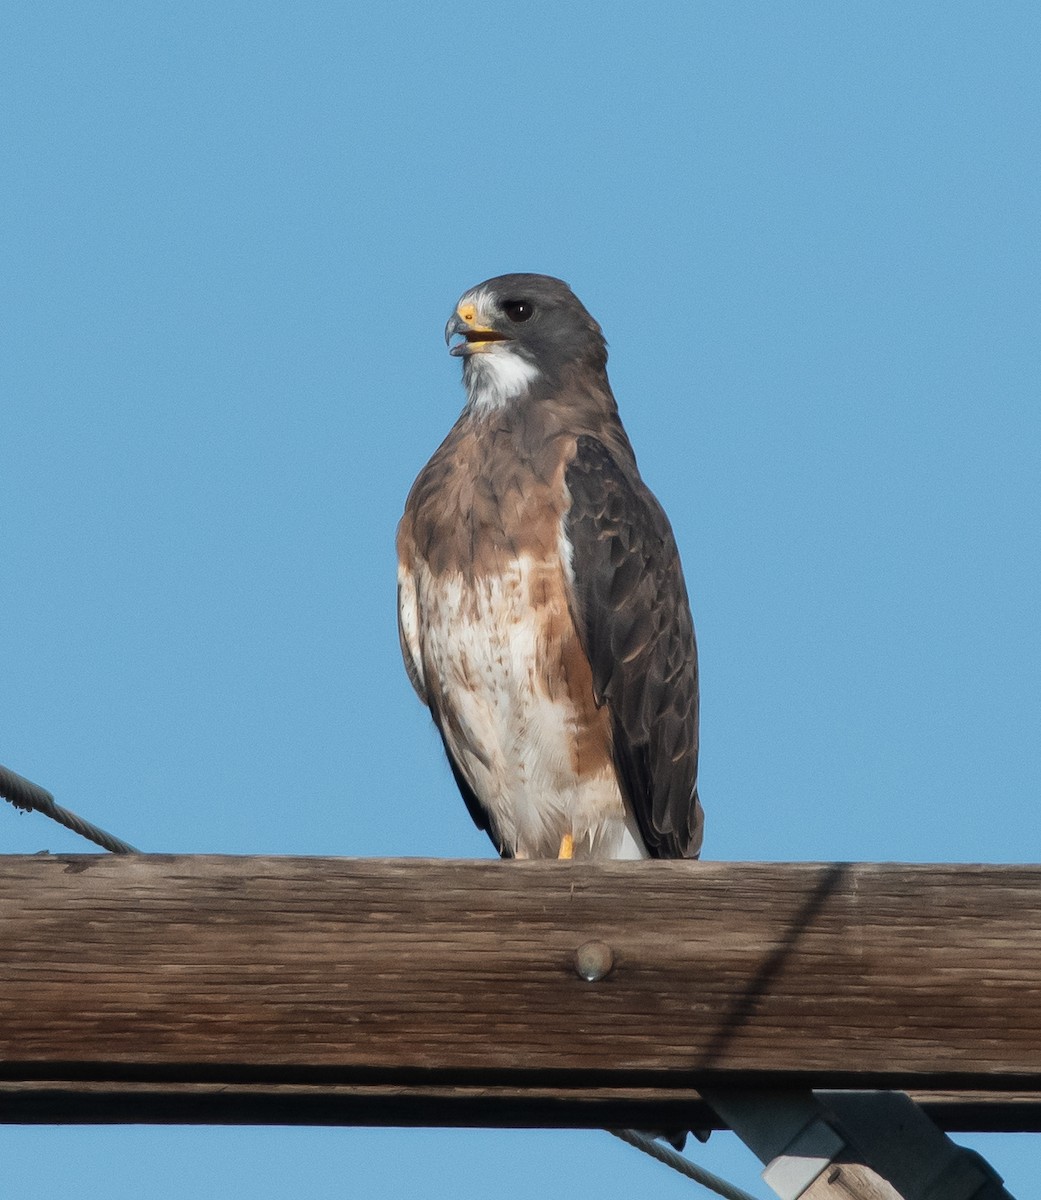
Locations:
{"points": [[512, 742]]}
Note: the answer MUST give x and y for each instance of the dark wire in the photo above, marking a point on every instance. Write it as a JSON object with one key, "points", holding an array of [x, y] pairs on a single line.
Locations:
{"points": [[28, 796], [678, 1162]]}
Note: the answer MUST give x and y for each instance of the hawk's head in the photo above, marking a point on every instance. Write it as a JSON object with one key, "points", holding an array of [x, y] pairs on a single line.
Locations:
{"points": [[518, 330]]}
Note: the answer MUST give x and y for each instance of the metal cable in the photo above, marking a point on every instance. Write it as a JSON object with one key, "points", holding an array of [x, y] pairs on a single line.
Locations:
{"points": [[24, 794], [678, 1162]]}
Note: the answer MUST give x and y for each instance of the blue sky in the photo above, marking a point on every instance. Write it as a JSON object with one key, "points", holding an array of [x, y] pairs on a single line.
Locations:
{"points": [[232, 234]]}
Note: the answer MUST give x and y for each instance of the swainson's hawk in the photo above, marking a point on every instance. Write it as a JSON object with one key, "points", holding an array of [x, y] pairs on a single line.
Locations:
{"points": [[541, 605]]}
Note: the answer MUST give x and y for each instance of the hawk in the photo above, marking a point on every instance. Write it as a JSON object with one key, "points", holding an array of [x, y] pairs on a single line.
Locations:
{"points": [[541, 604]]}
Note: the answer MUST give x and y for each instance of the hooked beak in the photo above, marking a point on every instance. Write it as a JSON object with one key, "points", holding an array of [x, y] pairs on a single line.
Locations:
{"points": [[476, 338]]}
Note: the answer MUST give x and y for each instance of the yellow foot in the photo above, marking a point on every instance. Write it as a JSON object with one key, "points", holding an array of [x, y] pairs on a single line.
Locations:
{"points": [[567, 847]]}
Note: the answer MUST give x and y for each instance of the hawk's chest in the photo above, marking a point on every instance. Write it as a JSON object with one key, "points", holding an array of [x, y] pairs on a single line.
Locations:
{"points": [[512, 687], [487, 623], [493, 576], [487, 501], [500, 638]]}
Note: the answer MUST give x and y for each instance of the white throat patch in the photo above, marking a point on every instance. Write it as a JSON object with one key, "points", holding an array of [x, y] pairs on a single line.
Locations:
{"points": [[496, 375]]}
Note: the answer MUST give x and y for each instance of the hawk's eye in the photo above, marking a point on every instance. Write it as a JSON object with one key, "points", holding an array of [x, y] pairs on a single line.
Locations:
{"points": [[518, 310]]}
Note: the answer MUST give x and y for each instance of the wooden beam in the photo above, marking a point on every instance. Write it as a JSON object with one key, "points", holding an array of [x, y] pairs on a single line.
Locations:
{"points": [[433, 992]]}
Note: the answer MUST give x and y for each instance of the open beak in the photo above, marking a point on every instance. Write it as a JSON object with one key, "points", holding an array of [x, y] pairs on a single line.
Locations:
{"points": [[476, 337]]}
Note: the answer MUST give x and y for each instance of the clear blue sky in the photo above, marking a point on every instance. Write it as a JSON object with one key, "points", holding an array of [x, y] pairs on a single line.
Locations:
{"points": [[231, 236]]}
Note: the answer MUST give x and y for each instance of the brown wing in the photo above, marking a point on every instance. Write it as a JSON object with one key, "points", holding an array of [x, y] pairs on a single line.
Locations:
{"points": [[631, 610]]}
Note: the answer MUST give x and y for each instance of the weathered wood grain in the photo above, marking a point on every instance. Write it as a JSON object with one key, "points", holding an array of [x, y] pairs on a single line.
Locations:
{"points": [[257, 975]]}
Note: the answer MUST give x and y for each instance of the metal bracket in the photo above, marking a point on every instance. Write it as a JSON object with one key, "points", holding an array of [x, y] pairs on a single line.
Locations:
{"points": [[802, 1160], [828, 1145]]}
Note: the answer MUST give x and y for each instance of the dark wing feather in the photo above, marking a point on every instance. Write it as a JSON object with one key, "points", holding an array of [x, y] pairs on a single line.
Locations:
{"points": [[631, 610]]}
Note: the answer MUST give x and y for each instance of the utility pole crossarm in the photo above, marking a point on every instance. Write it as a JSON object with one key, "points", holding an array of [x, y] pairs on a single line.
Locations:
{"points": [[432, 992]]}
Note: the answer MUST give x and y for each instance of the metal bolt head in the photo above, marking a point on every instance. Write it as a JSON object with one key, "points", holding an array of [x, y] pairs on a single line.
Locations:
{"points": [[593, 960]]}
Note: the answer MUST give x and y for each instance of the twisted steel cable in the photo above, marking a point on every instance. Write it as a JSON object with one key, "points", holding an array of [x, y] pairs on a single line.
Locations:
{"points": [[678, 1162], [29, 796]]}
